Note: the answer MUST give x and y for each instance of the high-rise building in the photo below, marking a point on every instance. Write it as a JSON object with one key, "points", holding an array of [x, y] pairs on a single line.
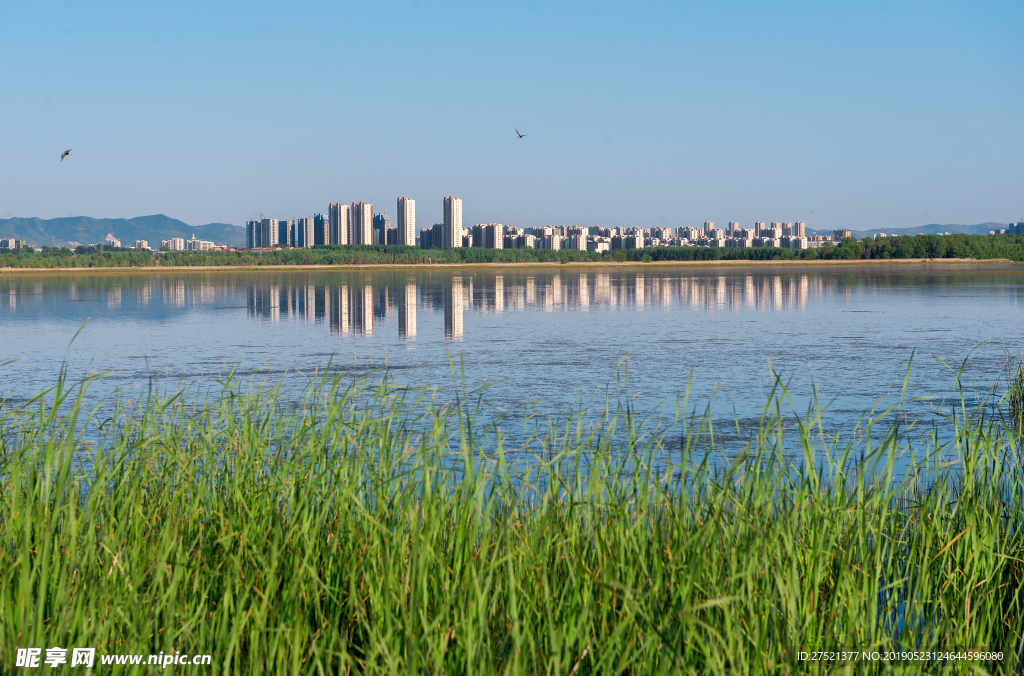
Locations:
{"points": [[196, 244], [578, 242], [494, 236], [488, 235], [406, 221], [799, 229], [253, 234], [340, 224], [452, 223], [431, 238], [734, 226], [305, 233], [269, 230], [362, 223], [381, 226], [709, 226], [426, 238], [321, 229], [285, 234]]}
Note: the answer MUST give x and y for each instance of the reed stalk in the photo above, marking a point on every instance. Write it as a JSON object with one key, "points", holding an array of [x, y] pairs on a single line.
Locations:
{"points": [[367, 528]]}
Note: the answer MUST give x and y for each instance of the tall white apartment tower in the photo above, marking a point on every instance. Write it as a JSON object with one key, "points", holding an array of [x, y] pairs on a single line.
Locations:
{"points": [[340, 224], [452, 223], [407, 223], [269, 228], [304, 236], [362, 223]]}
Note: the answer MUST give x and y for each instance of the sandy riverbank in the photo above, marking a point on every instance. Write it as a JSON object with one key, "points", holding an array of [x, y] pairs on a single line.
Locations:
{"points": [[961, 263]]}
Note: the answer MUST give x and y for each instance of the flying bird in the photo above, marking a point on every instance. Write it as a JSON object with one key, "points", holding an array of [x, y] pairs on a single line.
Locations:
{"points": [[65, 154], [520, 135]]}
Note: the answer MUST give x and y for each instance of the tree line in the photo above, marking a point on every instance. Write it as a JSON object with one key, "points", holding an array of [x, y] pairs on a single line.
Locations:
{"points": [[920, 246]]}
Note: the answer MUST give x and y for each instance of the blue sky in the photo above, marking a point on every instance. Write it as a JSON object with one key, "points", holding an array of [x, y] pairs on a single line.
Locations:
{"points": [[868, 114]]}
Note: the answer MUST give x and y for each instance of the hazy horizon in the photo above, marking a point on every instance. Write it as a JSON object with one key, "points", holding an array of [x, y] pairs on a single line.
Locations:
{"points": [[658, 114], [420, 226]]}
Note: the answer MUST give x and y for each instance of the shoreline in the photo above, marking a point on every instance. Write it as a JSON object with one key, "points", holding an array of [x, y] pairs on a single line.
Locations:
{"points": [[963, 263]]}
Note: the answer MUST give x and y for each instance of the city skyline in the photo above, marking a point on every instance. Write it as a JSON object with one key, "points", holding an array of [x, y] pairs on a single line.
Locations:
{"points": [[363, 227], [661, 112], [451, 233]]}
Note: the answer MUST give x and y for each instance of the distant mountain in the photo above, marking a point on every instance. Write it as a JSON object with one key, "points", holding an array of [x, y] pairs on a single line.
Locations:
{"points": [[930, 229], [86, 230]]}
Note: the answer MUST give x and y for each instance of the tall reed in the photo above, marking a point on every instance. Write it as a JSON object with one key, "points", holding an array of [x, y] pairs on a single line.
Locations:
{"points": [[369, 529]]}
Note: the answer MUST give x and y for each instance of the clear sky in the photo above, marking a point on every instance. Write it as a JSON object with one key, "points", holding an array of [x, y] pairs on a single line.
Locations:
{"points": [[857, 114]]}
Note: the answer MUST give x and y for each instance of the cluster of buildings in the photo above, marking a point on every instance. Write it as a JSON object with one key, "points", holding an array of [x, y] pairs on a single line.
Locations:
{"points": [[172, 244], [182, 244], [343, 224], [357, 224], [597, 238], [13, 242]]}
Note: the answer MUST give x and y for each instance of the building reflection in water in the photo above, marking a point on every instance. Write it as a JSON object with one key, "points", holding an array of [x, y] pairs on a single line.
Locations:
{"points": [[453, 308], [356, 307], [407, 311]]}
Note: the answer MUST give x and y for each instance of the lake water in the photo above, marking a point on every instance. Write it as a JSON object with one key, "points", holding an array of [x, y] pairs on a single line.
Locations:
{"points": [[549, 334]]}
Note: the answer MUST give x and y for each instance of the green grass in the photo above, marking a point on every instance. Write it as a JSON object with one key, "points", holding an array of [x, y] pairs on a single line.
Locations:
{"points": [[370, 530]]}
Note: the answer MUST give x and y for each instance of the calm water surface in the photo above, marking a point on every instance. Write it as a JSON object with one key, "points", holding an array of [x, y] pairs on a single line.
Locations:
{"points": [[541, 334]]}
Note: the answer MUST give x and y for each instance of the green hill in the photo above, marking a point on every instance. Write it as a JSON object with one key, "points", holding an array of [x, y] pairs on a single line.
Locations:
{"points": [[930, 229], [86, 230]]}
